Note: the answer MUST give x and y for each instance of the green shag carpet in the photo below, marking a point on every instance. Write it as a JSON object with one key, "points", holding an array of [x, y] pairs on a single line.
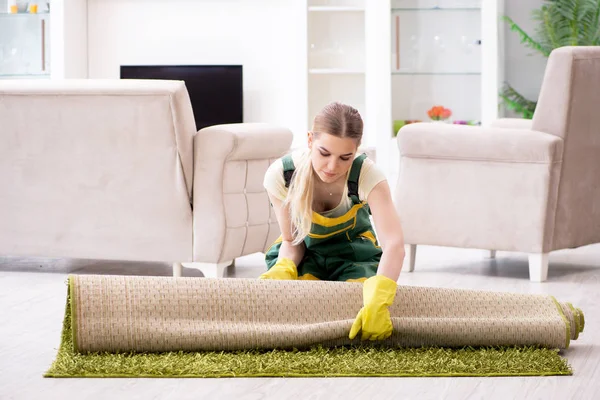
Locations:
{"points": [[315, 362]]}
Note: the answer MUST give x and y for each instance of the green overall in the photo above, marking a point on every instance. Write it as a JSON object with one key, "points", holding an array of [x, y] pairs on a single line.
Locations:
{"points": [[337, 249]]}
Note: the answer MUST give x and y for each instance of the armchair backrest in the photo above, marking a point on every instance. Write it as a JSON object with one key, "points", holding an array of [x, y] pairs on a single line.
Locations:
{"points": [[569, 107], [96, 169]]}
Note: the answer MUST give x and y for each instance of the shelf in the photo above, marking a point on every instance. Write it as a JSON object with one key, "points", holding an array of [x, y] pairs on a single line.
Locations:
{"points": [[334, 71], [23, 15], [335, 9], [45, 75], [434, 73], [436, 9]]}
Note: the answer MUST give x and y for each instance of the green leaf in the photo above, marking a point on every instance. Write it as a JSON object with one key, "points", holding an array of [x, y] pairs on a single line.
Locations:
{"points": [[513, 100], [525, 38]]}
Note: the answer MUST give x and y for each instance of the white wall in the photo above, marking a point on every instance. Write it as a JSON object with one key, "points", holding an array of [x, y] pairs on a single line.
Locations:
{"points": [[524, 67], [68, 35], [267, 37]]}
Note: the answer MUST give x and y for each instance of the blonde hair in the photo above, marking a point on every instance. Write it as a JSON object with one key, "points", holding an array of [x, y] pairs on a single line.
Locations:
{"points": [[336, 119]]}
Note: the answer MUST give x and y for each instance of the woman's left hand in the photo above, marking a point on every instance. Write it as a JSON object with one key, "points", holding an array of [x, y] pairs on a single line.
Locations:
{"points": [[374, 318]]}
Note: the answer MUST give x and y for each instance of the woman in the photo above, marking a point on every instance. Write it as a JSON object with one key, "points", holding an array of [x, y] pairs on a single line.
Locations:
{"points": [[322, 197]]}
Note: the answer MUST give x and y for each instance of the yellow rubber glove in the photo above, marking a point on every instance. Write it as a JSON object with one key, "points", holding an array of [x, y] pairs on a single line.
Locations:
{"points": [[282, 270], [374, 318]]}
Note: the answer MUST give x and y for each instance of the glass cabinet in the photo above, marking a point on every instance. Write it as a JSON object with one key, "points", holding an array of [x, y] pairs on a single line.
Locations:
{"points": [[40, 39], [24, 45], [446, 65], [436, 61]]}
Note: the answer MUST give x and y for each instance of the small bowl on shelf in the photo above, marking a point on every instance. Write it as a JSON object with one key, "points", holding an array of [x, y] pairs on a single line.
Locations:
{"points": [[22, 6]]}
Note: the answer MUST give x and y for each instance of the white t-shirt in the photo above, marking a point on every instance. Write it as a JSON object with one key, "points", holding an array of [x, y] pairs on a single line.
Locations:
{"points": [[370, 176]]}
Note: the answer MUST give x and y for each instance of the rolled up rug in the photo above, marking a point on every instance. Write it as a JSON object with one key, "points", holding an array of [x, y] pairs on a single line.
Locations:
{"points": [[161, 314]]}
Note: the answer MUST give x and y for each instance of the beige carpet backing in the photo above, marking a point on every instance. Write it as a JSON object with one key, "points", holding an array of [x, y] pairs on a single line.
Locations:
{"points": [[157, 314]]}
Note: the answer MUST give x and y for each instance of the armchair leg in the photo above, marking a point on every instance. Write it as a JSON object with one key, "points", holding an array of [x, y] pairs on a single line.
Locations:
{"points": [[538, 267], [489, 253], [209, 270], [410, 251], [177, 269]]}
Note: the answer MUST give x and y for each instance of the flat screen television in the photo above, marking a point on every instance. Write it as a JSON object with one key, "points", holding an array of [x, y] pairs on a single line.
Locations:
{"points": [[216, 91]]}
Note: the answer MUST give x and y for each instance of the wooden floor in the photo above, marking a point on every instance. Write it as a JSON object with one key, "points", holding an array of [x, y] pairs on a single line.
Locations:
{"points": [[32, 296]]}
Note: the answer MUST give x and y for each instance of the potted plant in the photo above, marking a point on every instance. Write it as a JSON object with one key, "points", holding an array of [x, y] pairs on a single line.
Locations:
{"points": [[560, 23]]}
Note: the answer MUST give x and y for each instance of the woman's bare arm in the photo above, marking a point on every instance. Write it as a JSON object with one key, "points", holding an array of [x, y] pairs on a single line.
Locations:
{"points": [[287, 249], [389, 231]]}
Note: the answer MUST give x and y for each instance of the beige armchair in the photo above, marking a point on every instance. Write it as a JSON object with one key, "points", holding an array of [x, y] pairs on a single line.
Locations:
{"points": [[115, 170], [522, 186]]}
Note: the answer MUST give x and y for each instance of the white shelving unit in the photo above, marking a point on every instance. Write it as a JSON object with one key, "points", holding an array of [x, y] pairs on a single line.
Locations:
{"points": [[395, 59], [347, 54], [335, 54]]}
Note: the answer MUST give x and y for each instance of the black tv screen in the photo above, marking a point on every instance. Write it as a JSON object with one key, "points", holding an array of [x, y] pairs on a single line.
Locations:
{"points": [[216, 91]]}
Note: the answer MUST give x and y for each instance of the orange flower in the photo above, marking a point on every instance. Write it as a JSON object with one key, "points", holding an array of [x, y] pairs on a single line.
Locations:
{"points": [[437, 113]]}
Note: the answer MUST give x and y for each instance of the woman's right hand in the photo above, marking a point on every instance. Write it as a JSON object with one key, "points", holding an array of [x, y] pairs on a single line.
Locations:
{"points": [[284, 269]]}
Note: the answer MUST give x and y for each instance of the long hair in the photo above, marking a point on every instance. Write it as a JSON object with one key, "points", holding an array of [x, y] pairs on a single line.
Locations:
{"points": [[336, 119]]}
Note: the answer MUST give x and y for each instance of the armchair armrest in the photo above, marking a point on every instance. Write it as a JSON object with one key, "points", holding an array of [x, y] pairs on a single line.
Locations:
{"points": [[232, 213], [478, 187], [247, 141], [512, 123], [429, 140]]}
